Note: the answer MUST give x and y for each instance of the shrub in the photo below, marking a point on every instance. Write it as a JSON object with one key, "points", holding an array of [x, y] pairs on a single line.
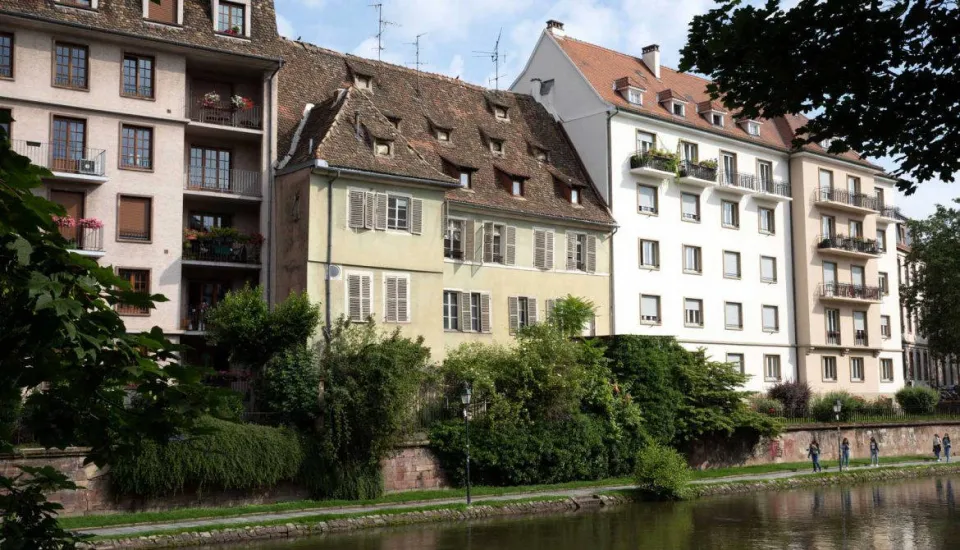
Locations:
{"points": [[228, 405], [821, 408], [662, 473], [229, 456], [918, 400], [882, 406], [289, 387], [769, 407], [794, 395]]}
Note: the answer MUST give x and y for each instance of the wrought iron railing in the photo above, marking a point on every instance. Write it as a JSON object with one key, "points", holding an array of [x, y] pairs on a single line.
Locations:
{"points": [[847, 290], [860, 200], [237, 182], [63, 157], [656, 162], [224, 113], [852, 244], [860, 338], [695, 170], [84, 238], [891, 212], [833, 337], [223, 250]]}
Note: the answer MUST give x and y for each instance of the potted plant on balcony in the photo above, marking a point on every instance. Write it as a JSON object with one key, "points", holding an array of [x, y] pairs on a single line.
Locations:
{"points": [[210, 100], [704, 169], [659, 159], [65, 222], [90, 223], [241, 103]]}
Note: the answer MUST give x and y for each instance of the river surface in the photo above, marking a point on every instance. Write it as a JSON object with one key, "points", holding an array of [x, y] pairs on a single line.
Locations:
{"points": [[914, 514]]}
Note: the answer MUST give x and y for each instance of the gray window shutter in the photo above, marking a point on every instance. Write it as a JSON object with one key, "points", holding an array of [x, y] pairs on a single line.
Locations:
{"points": [[591, 254], [469, 251], [369, 209], [416, 216], [571, 251], [403, 306], [381, 220], [511, 258], [465, 312], [549, 250], [354, 308], [366, 299], [513, 306], [539, 249], [356, 200], [390, 288], [485, 313], [488, 242], [532, 310]]}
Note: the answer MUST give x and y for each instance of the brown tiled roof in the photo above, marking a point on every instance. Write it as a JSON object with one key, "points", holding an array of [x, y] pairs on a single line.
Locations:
{"points": [[627, 81], [126, 17], [314, 75], [790, 125], [709, 105]]}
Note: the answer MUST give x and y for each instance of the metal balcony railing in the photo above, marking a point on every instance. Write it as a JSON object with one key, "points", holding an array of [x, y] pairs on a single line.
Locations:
{"points": [[70, 81], [222, 250], [647, 160], [833, 337], [223, 113], [84, 238], [892, 212], [237, 182], [741, 181], [847, 290], [694, 170], [860, 200], [860, 338], [63, 157], [852, 244]]}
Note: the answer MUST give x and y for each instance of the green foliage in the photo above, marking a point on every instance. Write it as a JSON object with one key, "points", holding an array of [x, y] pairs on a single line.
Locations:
{"points": [[918, 400], [662, 473], [229, 406], [289, 387], [29, 521], [571, 314], [224, 456], [769, 407], [794, 395], [821, 408], [881, 406]]}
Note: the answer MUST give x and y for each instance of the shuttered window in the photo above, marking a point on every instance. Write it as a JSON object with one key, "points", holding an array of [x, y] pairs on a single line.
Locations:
{"points": [[650, 309], [543, 249], [382, 211], [164, 11], [768, 269], [771, 318], [733, 315], [499, 243], [134, 221], [397, 296], [466, 311], [359, 296], [577, 251], [731, 265], [522, 311], [139, 280], [453, 240]]}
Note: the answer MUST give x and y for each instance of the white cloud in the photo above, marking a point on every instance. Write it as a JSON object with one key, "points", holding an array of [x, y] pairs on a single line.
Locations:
{"points": [[456, 66], [285, 27]]}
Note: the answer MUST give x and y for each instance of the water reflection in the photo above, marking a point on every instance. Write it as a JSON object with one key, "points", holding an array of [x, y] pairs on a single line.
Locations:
{"points": [[917, 514]]}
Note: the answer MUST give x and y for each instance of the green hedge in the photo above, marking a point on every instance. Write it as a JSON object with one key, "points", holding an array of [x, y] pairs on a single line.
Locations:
{"points": [[918, 400], [231, 456]]}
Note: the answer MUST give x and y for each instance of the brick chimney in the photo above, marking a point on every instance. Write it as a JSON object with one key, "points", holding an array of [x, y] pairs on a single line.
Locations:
{"points": [[555, 28], [651, 58]]}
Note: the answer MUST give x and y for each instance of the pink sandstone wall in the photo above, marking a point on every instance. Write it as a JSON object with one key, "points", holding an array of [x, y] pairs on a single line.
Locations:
{"points": [[413, 466]]}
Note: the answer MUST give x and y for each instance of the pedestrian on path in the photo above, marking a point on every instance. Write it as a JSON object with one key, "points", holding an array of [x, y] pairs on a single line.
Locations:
{"points": [[946, 446], [845, 457], [874, 452], [936, 446], [813, 452]]}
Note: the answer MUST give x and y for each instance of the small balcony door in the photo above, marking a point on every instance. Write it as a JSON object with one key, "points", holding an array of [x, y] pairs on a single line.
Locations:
{"points": [[828, 226], [857, 276], [829, 274], [729, 166], [69, 143], [209, 168], [73, 203]]}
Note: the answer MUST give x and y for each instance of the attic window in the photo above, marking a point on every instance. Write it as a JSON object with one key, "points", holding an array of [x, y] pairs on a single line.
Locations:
{"points": [[395, 121], [516, 188], [500, 112], [541, 154], [574, 195], [677, 109], [496, 146], [716, 119], [363, 82], [466, 179], [443, 135], [635, 96], [753, 128], [383, 148]]}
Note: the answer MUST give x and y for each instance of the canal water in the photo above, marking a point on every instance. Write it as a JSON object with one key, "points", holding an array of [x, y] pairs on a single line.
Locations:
{"points": [[914, 514]]}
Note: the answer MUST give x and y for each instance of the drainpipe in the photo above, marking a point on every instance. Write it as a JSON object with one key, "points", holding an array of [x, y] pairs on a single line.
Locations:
{"points": [[326, 290], [793, 279], [613, 303], [271, 233]]}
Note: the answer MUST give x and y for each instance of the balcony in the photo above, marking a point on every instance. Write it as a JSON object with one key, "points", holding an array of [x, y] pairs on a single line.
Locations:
{"points": [[699, 174], [855, 247], [891, 213], [195, 318], [845, 292], [744, 184], [654, 165], [242, 183], [839, 199], [860, 338], [85, 236], [226, 113], [222, 248], [833, 337], [82, 165]]}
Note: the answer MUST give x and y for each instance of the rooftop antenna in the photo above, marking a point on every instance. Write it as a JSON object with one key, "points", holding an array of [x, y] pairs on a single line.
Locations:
{"points": [[381, 26], [495, 57], [417, 64]]}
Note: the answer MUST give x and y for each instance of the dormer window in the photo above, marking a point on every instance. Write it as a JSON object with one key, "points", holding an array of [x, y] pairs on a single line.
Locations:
{"points": [[394, 121], [443, 135], [574, 195], [383, 147], [496, 146], [466, 179], [89, 4], [677, 109], [500, 112], [363, 82], [541, 155], [635, 96], [231, 18], [716, 119], [753, 128], [516, 188]]}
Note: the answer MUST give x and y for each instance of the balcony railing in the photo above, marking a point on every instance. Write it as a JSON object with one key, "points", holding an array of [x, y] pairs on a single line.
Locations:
{"points": [[692, 169], [774, 187], [196, 317], [852, 244], [63, 157], [754, 183], [860, 200], [891, 212], [237, 182], [860, 338], [833, 337], [222, 250], [656, 162], [223, 113], [847, 290], [70, 81], [89, 239]]}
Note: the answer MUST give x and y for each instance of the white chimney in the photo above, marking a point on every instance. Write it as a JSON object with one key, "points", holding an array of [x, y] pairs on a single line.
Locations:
{"points": [[651, 58], [555, 28]]}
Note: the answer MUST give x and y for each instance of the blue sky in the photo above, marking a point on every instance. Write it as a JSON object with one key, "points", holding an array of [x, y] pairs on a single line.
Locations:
{"points": [[453, 30]]}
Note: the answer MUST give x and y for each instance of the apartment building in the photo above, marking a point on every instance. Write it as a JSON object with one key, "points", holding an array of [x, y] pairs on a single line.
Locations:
{"points": [[156, 122], [444, 209], [702, 200]]}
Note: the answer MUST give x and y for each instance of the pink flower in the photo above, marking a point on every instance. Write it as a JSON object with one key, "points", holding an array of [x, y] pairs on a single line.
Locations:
{"points": [[64, 221], [91, 223]]}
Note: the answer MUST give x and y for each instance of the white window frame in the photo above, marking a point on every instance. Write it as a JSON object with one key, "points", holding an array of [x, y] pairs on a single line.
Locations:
{"points": [[862, 368], [466, 179], [673, 108], [634, 96], [696, 323], [885, 334], [697, 259], [501, 113], [656, 253], [716, 119], [773, 220], [884, 362], [698, 215], [516, 188], [644, 145], [456, 318], [753, 128], [463, 229], [735, 214], [830, 360], [768, 360], [378, 143], [496, 144], [395, 197], [726, 324], [659, 316], [383, 317], [656, 200], [776, 318], [443, 135]]}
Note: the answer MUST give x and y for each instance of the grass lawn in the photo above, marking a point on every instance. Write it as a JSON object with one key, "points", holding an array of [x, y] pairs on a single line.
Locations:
{"points": [[798, 467]]}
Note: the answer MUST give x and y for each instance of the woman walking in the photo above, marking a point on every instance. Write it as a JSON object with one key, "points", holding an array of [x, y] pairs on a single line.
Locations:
{"points": [[874, 452], [813, 452], [936, 446], [946, 446], [845, 456]]}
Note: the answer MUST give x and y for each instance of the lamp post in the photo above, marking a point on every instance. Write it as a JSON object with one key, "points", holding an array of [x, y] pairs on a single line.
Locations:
{"points": [[465, 399], [836, 409]]}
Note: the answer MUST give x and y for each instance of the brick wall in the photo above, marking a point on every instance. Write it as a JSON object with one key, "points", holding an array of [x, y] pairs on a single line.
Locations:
{"points": [[413, 466]]}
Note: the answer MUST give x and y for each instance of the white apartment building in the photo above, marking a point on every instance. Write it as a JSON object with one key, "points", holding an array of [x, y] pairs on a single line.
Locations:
{"points": [[702, 200]]}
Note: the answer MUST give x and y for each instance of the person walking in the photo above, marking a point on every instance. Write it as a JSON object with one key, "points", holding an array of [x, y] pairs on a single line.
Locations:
{"points": [[936, 446], [845, 450], [813, 452], [946, 446], [874, 452]]}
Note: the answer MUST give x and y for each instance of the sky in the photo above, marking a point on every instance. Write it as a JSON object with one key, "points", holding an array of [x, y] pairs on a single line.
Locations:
{"points": [[454, 31]]}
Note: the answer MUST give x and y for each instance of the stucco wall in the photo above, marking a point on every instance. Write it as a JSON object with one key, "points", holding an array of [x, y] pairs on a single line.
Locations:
{"points": [[292, 214]]}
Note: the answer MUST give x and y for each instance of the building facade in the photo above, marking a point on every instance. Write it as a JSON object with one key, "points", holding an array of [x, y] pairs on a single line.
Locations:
{"points": [[156, 122]]}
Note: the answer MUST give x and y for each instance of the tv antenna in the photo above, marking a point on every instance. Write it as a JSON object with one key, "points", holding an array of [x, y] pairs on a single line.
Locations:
{"points": [[495, 57], [381, 27], [417, 64]]}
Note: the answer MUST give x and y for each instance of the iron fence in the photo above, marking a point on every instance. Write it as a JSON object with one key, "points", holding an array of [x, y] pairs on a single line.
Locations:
{"points": [[847, 290]]}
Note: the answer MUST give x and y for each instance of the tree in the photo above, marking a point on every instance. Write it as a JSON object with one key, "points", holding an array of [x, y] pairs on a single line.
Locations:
{"points": [[571, 314], [880, 75], [934, 289], [64, 347]]}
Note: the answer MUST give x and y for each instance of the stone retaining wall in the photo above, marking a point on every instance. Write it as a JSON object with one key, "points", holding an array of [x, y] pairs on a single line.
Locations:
{"points": [[412, 467]]}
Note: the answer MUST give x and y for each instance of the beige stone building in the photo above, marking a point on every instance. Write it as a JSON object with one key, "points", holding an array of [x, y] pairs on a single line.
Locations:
{"points": [[154, 119], [444, 209]]}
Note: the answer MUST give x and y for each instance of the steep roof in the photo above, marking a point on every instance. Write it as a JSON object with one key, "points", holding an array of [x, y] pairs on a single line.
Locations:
{"points": [[346, 118]]}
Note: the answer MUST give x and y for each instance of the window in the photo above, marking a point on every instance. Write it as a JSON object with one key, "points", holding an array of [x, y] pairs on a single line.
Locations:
{"points": [[716, 119], [768, 269], [71, 66], [692, 259], [134, 218], [860, 328], [453, 240], [901, 235], [516, 188], [77, 3], [856, 369], [136, 149], [689, 151], [771, 368], [832, 319], [139, 280], [231, 18], [886, 370], [649, 309], [451, 310], [635, 96], [678, 109], [396, 293], [476, 312], [649, 254], [828, 227], [645, 142], [138, 76], [443, 135], [733, 315], [365, 82], [728, 162], [880, 197], [6, 55], [753, 128], [359, 296], [853, 185], [647, 199], [496, 146], [883, 284], [579, 251], [885, 326], [856, 275], [731, 214], [397, 211], [771, 318], [826, 185], [574, 195], [767, 221], [383, 147], [829, 369], [466, 179], [541, 155], [498, 243], [543, 248], [690, 207], [737, 359], [205, 221], [856, 229], [765, 173], [8, 114], [731, 264], [830, 274], [500, 112], [882, 240], [69, 143], [693, 312], [209, 168]]}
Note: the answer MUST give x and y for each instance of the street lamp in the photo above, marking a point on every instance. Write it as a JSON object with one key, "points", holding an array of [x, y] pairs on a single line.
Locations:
{"points": [[837, 407], [465, 399]]}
